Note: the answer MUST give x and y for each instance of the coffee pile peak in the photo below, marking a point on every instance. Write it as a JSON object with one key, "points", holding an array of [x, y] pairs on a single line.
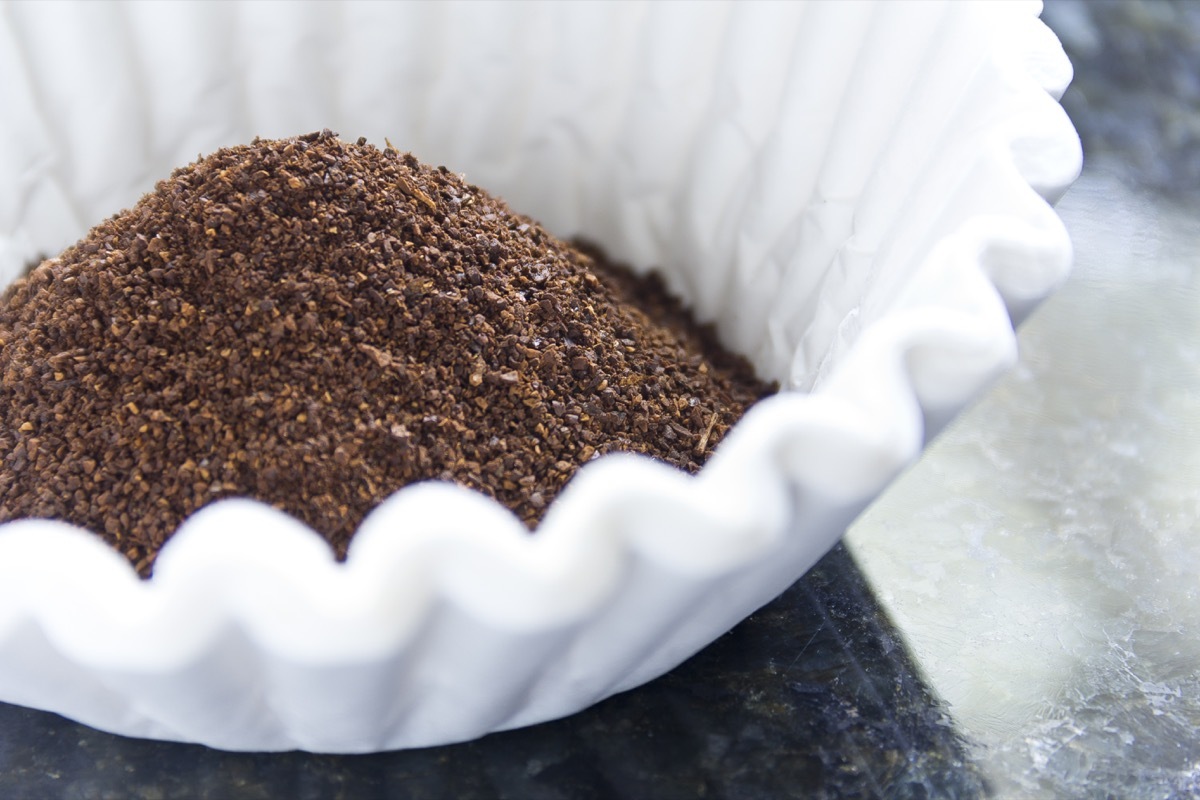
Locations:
{"points": [[316, 323]]}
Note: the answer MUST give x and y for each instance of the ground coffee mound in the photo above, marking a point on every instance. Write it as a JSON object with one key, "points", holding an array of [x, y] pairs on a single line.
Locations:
{"points": [[316, 323]]}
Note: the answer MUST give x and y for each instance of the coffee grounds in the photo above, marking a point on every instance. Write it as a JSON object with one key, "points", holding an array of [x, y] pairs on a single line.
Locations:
{"points": [[315, 324]]}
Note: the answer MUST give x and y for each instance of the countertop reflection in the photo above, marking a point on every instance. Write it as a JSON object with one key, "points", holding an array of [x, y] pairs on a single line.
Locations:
{"points": [[1042, 558]]}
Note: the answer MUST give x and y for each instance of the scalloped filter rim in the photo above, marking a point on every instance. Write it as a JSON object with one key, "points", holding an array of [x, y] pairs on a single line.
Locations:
{"points": [[436, 564]]}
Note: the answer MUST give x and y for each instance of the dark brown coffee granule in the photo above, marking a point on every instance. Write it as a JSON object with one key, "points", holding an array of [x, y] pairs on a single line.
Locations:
{"points": [[316, 323]]}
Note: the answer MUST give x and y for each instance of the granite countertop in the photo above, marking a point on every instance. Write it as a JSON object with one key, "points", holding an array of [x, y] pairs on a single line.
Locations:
{"points": [[1016, 617]]}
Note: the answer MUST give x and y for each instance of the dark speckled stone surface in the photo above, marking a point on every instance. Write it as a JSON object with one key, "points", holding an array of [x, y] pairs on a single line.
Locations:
{"points": [[1135, 99], [812, 697]]}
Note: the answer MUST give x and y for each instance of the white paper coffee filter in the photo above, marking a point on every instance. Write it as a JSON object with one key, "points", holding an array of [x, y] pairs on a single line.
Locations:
{"points": [[855, 193]]}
